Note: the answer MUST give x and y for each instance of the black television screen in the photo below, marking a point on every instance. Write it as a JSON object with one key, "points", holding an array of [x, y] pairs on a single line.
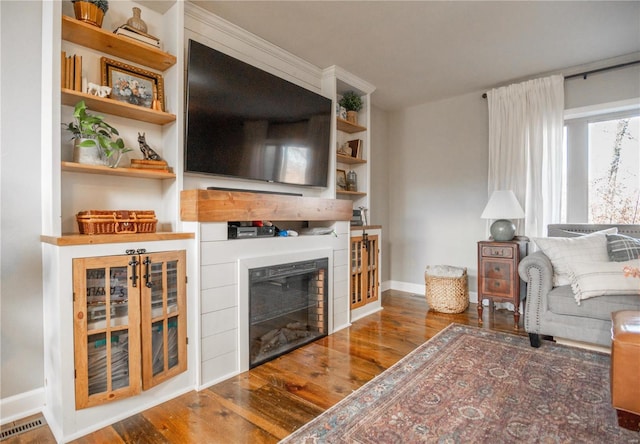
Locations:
{"points": [[247, 123]]}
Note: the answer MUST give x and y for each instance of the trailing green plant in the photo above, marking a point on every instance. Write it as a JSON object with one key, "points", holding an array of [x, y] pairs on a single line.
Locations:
{"points": [[102, 4], [351, 101], [92, 130]]}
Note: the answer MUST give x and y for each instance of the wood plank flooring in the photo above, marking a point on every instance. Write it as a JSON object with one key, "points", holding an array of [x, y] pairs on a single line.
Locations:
{"points": [[270, 401]]}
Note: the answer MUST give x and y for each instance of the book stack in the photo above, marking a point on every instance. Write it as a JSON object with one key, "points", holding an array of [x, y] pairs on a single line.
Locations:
{"points": [[71, 77], [132, 33], [158, 165]]}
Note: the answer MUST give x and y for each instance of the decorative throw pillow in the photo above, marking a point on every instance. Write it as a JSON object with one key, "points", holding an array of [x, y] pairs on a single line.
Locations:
{"points": [[562, 251], [591, 279], [622, 248]]}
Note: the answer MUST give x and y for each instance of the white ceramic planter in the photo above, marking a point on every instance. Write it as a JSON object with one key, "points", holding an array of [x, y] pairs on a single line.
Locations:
{"points": [[91, 155]]}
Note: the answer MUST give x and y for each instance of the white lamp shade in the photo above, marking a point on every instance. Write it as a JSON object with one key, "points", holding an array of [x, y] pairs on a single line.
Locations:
{"points": [[503, 204]]}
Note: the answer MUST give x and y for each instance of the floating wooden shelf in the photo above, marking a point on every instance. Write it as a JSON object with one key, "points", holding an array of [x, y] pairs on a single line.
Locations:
{"points": [[126, 172], [341, 158], [122, 109], [348, 127], [351, 193], [104, 41], [89, 239]]}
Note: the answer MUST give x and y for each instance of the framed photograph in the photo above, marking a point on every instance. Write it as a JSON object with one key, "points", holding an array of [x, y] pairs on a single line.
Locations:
{"points": [[356, 148], [131, 84], [341, 180]]}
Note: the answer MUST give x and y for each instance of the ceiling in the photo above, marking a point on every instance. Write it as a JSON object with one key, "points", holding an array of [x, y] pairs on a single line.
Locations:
{"points": [[419, 51]]}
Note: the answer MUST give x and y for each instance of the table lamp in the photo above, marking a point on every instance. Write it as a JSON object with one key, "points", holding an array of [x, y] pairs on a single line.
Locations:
{"points": [[502, 207]]}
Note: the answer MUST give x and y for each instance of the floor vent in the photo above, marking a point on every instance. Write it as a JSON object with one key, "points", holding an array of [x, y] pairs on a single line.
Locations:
{"points": [[22, 428]]}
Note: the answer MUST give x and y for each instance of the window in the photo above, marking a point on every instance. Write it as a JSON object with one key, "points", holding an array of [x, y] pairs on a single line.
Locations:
{"points": [[602, 174]]}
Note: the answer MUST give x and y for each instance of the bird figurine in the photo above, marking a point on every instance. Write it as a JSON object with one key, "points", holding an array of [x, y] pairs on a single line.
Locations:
{"points": [[147, 151]]}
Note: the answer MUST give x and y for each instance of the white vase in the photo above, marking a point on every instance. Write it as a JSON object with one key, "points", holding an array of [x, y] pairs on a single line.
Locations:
{"points": [[88, 155]]}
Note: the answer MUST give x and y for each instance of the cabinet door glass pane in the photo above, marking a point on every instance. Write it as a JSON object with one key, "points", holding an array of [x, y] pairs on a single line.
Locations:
{"points": [[97, 363], [172, 286], [156, 290], [119, 300], [119, 359], [96, 303], [157, 347], [172, 341], [356, 256]]}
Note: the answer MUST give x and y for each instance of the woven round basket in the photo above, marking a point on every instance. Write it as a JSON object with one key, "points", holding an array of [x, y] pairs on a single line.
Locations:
{"points": [[447, 294]]}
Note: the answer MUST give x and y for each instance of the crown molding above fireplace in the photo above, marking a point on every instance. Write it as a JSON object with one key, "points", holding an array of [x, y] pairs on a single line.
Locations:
{"points": [[224, 206]]}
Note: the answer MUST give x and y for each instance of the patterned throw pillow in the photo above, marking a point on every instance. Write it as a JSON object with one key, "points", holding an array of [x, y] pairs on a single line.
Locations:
{"points": [[622, 248], [563, 251]]}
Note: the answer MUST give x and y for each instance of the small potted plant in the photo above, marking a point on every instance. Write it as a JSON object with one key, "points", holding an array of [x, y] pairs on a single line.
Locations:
{"points": [[93, 139], [352, 103], [90, 11]]}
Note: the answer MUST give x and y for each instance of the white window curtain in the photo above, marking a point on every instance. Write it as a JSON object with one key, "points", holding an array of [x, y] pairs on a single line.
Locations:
{"points": [[525, 148]]}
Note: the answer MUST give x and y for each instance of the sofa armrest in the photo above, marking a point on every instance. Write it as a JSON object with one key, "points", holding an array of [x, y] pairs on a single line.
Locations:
{"points": [[537, 271], [536, 265]]}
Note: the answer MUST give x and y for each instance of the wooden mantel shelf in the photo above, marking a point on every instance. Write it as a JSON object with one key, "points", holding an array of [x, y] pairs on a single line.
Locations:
{"points": [[226, 206]]}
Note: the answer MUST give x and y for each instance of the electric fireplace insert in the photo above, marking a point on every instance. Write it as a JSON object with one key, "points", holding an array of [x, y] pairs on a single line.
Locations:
{"points": [[287, 308]]}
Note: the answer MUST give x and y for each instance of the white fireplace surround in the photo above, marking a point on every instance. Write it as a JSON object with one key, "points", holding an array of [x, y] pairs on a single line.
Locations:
{"points": [[222, 281], [246, 264]]}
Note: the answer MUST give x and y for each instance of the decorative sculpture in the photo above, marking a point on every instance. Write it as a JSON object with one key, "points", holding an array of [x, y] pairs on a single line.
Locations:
{"points": [[97, 90], [147, 151]]}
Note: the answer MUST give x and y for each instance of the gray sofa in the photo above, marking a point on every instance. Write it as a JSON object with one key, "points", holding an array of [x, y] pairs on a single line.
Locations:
{"points": [[553, 311]]}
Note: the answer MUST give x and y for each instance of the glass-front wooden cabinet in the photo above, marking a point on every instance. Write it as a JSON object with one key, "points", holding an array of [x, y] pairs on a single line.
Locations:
{"points": [[129, 324], [364, 270]]}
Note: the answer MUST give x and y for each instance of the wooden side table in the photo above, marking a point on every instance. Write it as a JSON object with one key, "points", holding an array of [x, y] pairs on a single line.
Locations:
{"points": [[498, 278]]}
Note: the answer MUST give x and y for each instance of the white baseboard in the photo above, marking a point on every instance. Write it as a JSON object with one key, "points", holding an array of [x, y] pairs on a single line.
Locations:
{"points": [[404, 286], [384, 286], [21, 405], [418, 289]]}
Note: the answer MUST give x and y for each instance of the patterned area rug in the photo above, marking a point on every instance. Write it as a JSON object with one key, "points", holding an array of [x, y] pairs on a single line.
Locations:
{"points": [[468, 385]]}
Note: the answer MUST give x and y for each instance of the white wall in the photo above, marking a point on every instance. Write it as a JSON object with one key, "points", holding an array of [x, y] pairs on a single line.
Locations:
{"points": [[437, 187], [21, 341], [603, 87], [381, 149]]}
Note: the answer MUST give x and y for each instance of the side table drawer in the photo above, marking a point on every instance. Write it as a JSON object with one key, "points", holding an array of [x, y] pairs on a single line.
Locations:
{"points": [[505, 252], [497, 287], [496, 270]]}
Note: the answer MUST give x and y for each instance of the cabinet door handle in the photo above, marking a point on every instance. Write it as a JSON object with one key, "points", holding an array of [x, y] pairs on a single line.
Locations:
{"points": [[134, 270], [147, 270]]}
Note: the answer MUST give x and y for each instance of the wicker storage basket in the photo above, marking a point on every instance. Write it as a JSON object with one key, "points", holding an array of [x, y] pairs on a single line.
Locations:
{"points": [[116, 221], [446, 294]]}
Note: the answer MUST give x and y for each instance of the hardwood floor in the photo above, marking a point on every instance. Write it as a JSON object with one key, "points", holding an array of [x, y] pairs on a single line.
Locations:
{"points": [[269, 402]]}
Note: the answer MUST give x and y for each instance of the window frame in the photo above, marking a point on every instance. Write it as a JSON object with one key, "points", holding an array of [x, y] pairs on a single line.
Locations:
{"points": [[576, 156]]}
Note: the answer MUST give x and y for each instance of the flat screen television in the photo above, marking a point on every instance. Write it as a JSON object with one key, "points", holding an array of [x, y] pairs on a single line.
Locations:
{"points": [[246, 123]]}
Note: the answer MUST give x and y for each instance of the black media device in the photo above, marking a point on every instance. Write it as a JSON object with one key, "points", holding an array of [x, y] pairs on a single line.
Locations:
{"points": [[246, 123], [236, 232]]}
